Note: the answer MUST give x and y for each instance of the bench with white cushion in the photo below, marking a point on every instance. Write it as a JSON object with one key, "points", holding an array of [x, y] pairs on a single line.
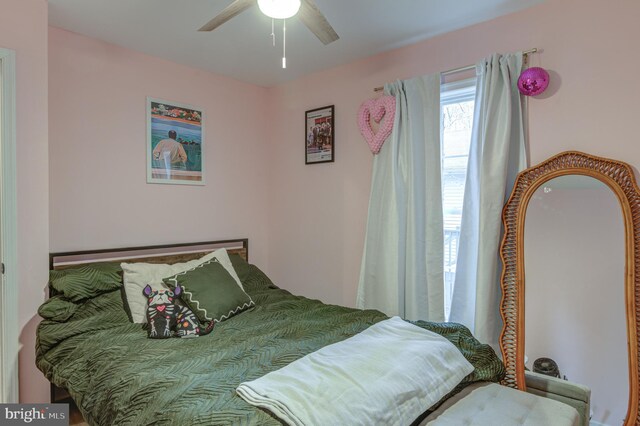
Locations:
{"points": [[484, 404]]}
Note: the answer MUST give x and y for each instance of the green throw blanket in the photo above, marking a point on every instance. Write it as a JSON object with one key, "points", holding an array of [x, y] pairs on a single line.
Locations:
{"points": [[117, 376]]}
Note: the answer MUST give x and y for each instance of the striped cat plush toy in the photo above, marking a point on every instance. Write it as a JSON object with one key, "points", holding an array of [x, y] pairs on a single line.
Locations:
{"points": [[164, 315]]}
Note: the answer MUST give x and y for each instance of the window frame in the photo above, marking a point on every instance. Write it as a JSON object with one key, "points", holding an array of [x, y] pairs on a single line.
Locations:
{"points": [[457, 91], [452, 93]]}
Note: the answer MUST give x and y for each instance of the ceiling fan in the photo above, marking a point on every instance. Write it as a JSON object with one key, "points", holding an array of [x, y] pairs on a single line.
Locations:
{"points": [[307, 11]]}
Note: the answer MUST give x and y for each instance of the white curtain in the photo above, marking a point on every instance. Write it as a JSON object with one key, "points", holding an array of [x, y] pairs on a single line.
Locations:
{"points": [[402, 264], [497, 155]]}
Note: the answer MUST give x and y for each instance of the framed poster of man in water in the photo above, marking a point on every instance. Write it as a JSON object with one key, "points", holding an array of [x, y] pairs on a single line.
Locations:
{"points": [[175, 143], [319, 135]]}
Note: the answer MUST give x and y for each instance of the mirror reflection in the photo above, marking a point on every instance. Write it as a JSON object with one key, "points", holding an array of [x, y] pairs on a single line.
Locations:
{"points": [[574, 253]]}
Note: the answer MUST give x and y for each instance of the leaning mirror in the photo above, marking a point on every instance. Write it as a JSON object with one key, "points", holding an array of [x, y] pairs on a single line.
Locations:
{"points": [[574, 262], [570, 285]]}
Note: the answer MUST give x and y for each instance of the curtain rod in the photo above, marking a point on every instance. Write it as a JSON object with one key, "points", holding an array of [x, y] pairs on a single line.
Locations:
{"points": [[462, 69]]}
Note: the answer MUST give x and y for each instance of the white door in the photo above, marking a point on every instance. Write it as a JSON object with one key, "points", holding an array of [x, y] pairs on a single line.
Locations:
{"points": [[2, 299], [8, 231]]}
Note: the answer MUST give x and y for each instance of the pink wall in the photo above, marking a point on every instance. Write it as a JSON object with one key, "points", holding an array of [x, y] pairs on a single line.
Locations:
{"points": [[24, 30], [99, 194], [318, 212], [574, 264]]}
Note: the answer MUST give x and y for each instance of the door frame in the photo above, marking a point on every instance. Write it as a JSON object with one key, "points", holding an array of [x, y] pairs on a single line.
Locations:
{"points": [[9, 327]]}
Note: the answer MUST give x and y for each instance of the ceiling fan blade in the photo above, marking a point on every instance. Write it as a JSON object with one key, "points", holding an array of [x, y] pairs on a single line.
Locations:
{"points": [[234, 9], [311, 16]]}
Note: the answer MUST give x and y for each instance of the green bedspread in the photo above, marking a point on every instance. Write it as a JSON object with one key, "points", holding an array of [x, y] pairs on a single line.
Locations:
{"points": [[118, 376]]}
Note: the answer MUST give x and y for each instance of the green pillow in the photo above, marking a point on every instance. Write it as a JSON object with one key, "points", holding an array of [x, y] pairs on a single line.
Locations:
{"points": [[86, 281], [211, 292], [241, 266], [57, 309]]}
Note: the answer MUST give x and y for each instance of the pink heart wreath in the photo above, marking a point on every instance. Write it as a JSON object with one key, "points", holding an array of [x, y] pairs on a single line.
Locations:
{"points": [[384, 106]]}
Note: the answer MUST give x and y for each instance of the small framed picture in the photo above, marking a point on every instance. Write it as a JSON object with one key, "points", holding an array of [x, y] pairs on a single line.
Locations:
{"points": [[319, 144], [175, 143]]}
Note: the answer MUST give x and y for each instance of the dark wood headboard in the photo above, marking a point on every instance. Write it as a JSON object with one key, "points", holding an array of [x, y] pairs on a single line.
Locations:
{"points": [[168, 253]]}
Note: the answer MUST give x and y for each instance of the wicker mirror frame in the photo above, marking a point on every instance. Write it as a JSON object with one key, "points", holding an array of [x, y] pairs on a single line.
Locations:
{"points": [[620, 178]]}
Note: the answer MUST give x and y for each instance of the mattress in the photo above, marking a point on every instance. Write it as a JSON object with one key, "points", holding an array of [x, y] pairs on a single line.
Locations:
{"points": [[116, 375]]}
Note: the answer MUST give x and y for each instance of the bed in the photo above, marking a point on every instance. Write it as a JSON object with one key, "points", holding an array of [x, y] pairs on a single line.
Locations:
{"points": [[87, 345]]}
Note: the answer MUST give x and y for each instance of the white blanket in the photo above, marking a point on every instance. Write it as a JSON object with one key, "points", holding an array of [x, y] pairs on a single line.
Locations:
{"points": [[389, 374]]}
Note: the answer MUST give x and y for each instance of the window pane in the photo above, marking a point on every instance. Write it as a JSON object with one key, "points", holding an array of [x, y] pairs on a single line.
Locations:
{"points": [[457, 122]]}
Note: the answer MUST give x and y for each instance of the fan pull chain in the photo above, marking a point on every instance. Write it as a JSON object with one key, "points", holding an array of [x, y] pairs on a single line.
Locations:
{"points": [[284, 43], [273, 33]]}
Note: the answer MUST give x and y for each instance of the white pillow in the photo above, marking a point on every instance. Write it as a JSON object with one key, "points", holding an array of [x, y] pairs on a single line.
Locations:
{"points": [[137, 275]]}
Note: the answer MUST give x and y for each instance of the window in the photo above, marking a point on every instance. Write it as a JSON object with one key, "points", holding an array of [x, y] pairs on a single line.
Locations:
{"points": [[456, 115]]}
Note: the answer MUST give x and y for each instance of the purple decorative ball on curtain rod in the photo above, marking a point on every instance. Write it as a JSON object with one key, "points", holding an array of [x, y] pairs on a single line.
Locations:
{"points": [[533, 81]]}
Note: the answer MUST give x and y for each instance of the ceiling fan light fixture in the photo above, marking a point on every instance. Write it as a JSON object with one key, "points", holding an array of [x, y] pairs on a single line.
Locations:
{"points": [[279, 9]]}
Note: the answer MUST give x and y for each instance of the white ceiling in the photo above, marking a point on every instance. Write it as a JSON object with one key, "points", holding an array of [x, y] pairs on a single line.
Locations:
{"points": [[242, 49]]}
